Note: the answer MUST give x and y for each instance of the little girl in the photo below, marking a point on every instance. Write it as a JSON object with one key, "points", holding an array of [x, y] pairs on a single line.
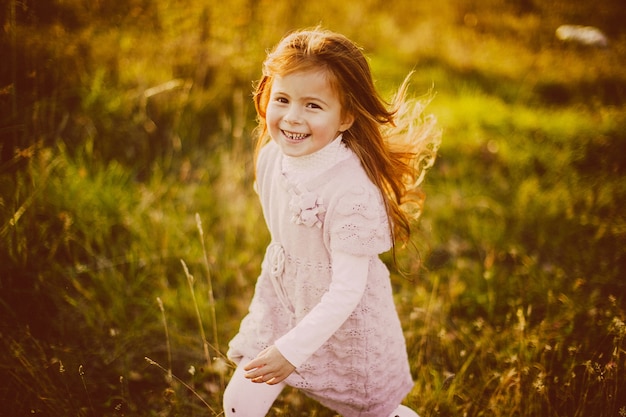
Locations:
{"points": [[337, 174]]}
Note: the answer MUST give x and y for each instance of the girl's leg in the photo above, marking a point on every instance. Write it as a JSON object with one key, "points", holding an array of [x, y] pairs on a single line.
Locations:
{"points": [[403, 411], [244, 398]]}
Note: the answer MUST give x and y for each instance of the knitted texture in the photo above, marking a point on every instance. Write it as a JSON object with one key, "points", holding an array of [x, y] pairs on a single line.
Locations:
{"points": [[362, 370], [308, 166]]}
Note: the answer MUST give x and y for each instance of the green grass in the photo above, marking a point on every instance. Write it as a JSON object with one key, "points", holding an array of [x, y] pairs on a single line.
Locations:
{"points": [[123, 124]]}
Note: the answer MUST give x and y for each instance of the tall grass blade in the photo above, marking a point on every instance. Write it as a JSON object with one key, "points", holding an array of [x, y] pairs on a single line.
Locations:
{"points": [[81, 372], [167, 340], [205, 343], [216, 342]]}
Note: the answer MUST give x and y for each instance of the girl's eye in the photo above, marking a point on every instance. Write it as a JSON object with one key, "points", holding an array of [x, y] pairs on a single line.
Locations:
{"points": [[281, 100], [313, 106]]}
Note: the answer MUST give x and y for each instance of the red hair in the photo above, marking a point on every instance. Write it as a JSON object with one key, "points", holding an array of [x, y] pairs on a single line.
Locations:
{"points": [[395, 143]]}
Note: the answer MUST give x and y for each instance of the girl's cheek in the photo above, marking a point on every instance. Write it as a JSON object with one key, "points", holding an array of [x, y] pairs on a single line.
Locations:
{"points": [[272, 113]]}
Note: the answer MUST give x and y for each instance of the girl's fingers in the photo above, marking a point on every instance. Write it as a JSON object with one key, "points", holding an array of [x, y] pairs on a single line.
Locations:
{"points": [[266, 379], [268, 367], [255, 363], [269, 378], [256, 376], [261, 375], [272, 381]]}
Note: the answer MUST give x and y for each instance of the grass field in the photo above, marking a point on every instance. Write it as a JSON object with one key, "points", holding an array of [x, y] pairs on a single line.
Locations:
{"points": [[130, 235]]}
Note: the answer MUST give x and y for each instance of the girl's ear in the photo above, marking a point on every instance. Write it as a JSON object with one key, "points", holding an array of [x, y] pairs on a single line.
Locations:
{"points": [[347, 122]]}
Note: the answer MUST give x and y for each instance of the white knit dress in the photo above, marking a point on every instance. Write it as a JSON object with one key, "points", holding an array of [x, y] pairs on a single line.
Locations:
{"points": [[363, 369]]}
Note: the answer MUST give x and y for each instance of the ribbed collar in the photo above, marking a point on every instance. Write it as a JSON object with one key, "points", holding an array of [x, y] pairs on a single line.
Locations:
{"points": [[305, 167]]}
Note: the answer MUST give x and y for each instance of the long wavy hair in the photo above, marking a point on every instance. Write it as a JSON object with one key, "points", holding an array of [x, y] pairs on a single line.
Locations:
{"points": [[395, 142]]}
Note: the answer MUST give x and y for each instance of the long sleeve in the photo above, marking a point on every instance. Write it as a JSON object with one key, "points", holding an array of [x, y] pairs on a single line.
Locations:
{"points": [[348, 284]]}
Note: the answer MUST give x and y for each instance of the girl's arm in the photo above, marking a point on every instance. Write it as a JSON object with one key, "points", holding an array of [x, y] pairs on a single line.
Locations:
{"points": [[348, 284], [344, 294]]}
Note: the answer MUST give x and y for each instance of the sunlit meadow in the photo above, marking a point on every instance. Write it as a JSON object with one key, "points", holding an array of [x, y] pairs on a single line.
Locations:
{"points": [[131, 237]]}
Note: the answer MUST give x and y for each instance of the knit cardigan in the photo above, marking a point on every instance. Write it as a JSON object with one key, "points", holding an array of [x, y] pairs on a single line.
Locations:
{"points": [[362, 370]]}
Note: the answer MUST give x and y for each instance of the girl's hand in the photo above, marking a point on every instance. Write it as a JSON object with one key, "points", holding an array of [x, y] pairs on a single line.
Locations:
{"points": [[270, 366]]}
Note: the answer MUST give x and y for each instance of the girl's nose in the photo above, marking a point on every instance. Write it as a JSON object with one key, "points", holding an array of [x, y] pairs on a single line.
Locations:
{"points": [[292, 115]]}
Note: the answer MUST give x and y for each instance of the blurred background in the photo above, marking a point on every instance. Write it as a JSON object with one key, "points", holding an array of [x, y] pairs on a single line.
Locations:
{"points": [[130, 236]]}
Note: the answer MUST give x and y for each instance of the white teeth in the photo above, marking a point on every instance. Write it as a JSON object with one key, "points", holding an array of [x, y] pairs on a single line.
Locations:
{"points": [[295, 136]]}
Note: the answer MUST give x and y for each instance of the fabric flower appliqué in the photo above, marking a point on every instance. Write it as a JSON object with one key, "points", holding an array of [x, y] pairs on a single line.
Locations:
{"points": [[307, 208]]}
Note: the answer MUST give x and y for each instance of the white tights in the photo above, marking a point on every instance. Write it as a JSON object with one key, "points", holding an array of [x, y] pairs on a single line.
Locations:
{"points": [[244, 398]]}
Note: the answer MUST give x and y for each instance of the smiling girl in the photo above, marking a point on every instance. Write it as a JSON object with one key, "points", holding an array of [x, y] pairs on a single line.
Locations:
{"points": [[338, 176]]}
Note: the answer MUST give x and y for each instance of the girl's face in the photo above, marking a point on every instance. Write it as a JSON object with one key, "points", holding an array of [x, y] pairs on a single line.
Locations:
{"points": [[304, 112]]}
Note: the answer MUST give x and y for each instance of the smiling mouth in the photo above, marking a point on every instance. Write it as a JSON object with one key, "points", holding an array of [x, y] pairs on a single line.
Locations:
{"points": [[295, 136]]}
